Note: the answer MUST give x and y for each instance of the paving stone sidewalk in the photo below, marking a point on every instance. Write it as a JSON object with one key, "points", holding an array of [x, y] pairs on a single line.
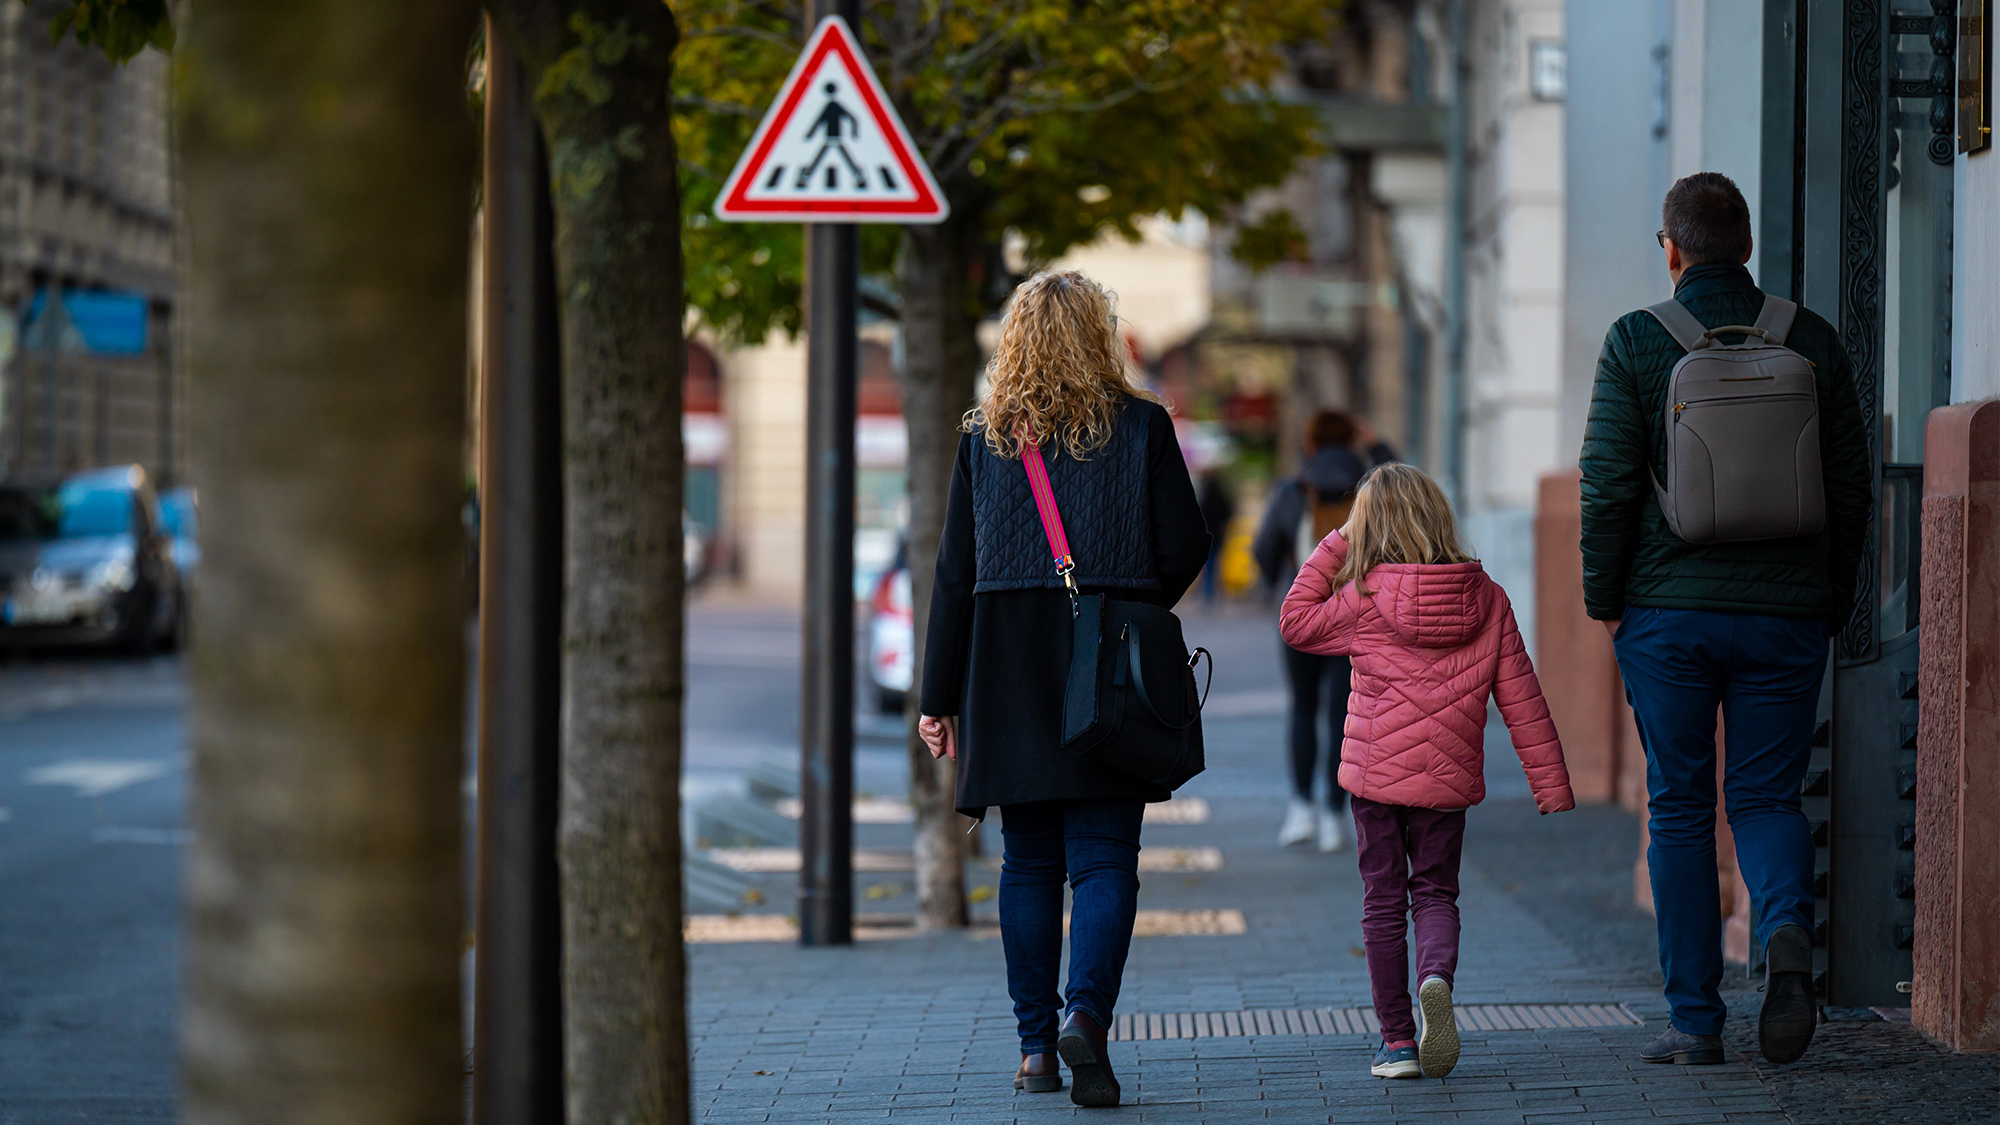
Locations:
{"points": [[921, 1028]]}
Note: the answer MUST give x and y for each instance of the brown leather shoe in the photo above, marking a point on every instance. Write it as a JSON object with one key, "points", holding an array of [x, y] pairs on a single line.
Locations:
{"points": [[1038, 1074], [1083, 1049]]}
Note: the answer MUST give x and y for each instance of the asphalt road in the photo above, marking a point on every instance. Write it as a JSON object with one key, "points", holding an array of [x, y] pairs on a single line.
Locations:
{"points": [[93, 789]]}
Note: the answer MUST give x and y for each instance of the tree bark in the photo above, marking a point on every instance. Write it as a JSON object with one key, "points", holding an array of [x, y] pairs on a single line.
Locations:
{"points": [[327, 153], [940, 365], [601, 96]]}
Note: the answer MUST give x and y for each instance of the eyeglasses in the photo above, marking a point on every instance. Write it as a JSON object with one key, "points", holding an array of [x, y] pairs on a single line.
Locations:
{"points": [[1661, 238]]}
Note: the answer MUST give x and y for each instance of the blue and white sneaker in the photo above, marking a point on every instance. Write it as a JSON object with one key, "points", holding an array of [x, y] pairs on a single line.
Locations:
{"points": [[1396, 1062]]}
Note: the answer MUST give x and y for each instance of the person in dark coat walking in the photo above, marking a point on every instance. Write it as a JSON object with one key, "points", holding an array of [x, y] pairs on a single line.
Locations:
{"points": [[996, 655], [1738, 625], [1218, 509], [1301, 513]]}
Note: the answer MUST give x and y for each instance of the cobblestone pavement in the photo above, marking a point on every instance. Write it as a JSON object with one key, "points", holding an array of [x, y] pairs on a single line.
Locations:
{"points": [[920, 1028]]}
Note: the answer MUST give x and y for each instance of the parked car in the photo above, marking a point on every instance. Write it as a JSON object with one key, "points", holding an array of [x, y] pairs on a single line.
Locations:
{"points": [[180, 518], [86, 561], [694, 552], [181, 523], [892, 639]]}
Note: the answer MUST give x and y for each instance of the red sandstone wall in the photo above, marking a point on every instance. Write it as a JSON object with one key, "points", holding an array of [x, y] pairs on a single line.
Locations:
{"points": [[1579, 674], [1956, 986], [1573, 653]]}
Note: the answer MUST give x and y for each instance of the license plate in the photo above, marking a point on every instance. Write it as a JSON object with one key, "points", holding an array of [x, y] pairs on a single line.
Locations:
{"points": [[34, 611]]}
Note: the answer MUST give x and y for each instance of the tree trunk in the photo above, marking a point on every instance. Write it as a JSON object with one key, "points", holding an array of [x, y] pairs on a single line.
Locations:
{"points": [[940, 364], [327, 155], [601, 95]]}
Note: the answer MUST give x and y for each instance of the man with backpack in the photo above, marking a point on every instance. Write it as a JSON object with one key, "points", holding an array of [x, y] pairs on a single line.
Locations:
{"points": [[1726, 473]]}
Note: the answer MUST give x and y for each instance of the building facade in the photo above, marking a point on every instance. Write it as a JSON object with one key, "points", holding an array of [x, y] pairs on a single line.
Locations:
{"points": [[86, 256]]}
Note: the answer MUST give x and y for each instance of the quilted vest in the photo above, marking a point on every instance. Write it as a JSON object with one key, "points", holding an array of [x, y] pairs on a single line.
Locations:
{"points": [[1105, 509]]}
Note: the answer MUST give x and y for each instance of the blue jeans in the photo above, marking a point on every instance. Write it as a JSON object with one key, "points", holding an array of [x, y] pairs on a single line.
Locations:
{"points": [[1765, 674], [1096, 844]]}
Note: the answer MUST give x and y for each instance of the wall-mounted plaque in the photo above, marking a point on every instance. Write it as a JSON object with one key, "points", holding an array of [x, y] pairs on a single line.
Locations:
{"points": [[1975, 75]]}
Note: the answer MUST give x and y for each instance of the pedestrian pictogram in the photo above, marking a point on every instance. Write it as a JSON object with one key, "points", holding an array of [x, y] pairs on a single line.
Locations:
{"points": [[831, 149]]}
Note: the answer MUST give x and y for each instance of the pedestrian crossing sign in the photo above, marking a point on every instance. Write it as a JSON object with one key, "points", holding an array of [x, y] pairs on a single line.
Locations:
{"points": [[831, 149]]}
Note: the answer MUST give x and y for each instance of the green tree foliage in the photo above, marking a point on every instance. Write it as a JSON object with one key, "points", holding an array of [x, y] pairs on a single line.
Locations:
{"points": [[1056, 119], [119, 28], [1276, 237]]}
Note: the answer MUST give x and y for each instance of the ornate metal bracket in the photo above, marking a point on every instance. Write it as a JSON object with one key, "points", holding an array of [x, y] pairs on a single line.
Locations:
{"points": [[1941, 28]]}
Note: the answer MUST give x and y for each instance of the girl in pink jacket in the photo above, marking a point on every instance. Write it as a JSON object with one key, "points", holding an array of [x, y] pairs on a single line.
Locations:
{"points": [[1431, 637]]}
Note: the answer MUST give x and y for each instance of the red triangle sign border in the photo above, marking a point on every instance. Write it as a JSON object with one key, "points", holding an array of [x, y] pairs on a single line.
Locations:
{"points": [[832, 36]]}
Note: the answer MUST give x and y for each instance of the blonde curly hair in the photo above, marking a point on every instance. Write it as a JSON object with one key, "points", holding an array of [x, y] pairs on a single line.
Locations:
{"points": [[1058, 373]]}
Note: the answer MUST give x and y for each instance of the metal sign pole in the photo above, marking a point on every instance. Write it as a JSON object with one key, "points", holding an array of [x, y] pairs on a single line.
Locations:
{"points": [[517, 986], [829, 153], [826, 773]]}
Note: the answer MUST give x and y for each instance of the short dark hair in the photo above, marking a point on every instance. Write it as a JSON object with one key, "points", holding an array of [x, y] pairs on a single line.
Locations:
{"points": [[1330, 429], [1706, 217]]}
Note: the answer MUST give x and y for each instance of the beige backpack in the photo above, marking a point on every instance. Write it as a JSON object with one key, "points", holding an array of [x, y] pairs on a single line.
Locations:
{"points": [[1742, 431]]}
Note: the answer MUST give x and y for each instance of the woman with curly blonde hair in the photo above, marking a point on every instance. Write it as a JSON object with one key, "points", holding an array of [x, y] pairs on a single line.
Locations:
{"points": [[996, 654]]}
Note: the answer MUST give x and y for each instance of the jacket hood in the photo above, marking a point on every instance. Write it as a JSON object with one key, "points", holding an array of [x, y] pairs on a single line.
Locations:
{"points": [[1438, 605], [1333, 471]]}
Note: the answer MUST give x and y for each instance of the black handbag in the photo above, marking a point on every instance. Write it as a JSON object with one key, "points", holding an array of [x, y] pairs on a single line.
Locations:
{"points": [[1130, 700]]}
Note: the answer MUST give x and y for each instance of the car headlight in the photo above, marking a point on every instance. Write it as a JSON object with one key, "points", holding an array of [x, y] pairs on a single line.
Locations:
{"points": [[114, 573]]}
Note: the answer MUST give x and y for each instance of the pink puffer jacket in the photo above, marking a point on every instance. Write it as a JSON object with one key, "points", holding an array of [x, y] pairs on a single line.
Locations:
{"points": [[1429, 643]]}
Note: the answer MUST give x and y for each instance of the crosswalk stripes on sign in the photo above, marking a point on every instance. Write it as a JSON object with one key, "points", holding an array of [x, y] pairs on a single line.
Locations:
{"points": [[831, 149]]}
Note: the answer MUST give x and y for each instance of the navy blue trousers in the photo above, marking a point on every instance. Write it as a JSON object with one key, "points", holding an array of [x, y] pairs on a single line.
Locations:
{"points": [[1765, 673], [1094, 845]]}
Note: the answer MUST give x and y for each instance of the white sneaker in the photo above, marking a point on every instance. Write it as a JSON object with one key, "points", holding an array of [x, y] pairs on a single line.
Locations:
{"points": [[1332, 830], [1298, 826]]}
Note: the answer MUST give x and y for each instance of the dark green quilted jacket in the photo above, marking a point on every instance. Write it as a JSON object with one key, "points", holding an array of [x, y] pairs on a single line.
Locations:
{"points": [[1631, 557]]}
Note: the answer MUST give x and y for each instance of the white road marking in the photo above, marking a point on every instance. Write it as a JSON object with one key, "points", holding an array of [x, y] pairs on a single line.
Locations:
{"points": [[92, 777], [169, 836], [867, 810]]}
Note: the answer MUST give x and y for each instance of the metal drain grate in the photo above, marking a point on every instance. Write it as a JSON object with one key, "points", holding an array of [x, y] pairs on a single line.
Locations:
{"points": [[778, 861], [1361, 1021], [706, 929]]}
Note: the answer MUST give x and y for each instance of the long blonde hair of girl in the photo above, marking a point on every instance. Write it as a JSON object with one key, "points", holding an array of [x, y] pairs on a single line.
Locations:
{"points": [[1058, 373], [1400, 515]]}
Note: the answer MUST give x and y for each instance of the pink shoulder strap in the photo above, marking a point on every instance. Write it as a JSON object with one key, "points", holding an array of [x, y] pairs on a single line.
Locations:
{"points": [[1045, 505]]}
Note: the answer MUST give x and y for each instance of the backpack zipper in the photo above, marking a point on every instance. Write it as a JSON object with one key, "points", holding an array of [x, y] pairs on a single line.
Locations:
{"points": [[1679, 406]]}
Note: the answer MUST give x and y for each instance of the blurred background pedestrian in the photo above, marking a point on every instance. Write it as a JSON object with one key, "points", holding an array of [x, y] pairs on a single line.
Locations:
{"points": [[1301, 512], [1218, 511]]}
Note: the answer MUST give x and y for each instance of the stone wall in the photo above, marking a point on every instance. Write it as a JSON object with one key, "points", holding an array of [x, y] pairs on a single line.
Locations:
{"points": [[1579, 674], [1956, 986]]}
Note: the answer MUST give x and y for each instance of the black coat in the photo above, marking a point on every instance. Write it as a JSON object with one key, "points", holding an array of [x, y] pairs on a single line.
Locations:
{"points": [[999, 661]]}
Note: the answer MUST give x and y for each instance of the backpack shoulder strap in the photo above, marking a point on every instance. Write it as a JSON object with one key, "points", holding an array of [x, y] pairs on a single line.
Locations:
{"points": [[1776, 318], [1673, 316]]}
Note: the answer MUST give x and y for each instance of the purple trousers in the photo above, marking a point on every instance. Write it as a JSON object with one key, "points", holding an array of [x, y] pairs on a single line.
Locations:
{"points": [[1409, 868]]}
